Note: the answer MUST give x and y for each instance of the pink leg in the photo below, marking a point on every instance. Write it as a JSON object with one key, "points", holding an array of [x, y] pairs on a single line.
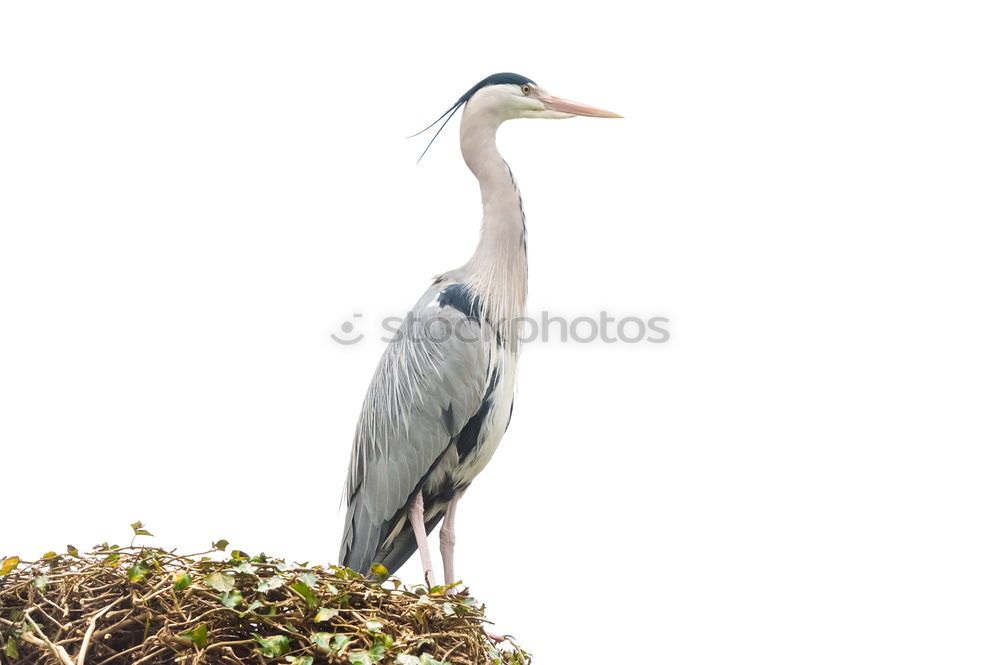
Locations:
{"points": [[448, 540], [416, 515]]}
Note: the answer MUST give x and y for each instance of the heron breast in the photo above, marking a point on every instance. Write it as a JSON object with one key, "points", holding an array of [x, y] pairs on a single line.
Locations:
{"points": [[481, 436]]}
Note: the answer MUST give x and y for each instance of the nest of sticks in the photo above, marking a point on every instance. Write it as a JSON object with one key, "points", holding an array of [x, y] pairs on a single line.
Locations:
{"points": [[132, 605]]}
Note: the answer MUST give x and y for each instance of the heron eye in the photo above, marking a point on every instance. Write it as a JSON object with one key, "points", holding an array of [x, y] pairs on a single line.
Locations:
{"points": [[526, 89]]}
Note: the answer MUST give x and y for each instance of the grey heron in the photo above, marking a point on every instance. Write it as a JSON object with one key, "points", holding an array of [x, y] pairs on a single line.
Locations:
{"points": [[442, 394]]}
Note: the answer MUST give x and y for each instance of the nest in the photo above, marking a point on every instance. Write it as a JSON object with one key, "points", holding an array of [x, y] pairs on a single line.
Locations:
{"points": [[132, 605]]}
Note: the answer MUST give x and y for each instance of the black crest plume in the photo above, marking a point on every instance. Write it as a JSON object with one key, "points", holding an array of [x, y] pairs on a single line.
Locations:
{"points": [[494, 79]]}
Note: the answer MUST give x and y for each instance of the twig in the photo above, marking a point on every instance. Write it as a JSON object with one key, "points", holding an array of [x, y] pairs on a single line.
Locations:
{"points": [[121, 653], [82, 655], [219, 645], [156, 652], [58, 651]]}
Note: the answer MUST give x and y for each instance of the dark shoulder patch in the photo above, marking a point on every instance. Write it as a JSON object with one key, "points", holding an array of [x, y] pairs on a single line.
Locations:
{"points": [[458, 297]]}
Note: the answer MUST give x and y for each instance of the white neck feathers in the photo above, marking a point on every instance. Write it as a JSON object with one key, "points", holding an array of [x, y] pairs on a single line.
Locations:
{"points": [[497, 273]]}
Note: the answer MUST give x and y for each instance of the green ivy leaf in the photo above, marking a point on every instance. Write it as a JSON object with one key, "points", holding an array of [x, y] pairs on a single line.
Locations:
{"points": [[254, 605], [308, 579], [9, 564], [10, 650], [198, 636], [348, 574], [427, 660], [49, 555], [72, 551], [448, 609], [325, 614], [406, 659], [359, 658], [245, 568], [221, 544], [221, 581], [380, 572], [373, 625], [377, 652], [322, 641], [139, 529], [340, 641], [137, 572], [40, 582], [270, 583], [300, 660], [306, 593], [272, 647], [182, 581], [231, 598]]}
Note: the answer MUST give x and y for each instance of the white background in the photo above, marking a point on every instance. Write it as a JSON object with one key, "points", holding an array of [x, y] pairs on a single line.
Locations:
{"points": [[194, 196]]}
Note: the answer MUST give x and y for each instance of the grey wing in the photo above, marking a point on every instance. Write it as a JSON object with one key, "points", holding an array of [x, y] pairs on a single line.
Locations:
{"points": [[430, 382]]}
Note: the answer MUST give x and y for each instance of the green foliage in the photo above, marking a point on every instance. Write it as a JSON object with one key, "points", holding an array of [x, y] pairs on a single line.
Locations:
{"points": [[325, 614], [198, 636], [182, 581], [221, 581], [270, 583], [165, 608], [274, 646], [303, 590], [9, 564], [231, 598], [137, 572], [139, 529], [10, 650], [379, 572]]}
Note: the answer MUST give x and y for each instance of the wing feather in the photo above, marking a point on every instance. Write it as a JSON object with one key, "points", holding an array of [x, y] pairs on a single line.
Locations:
{"points": [[430, 382]]}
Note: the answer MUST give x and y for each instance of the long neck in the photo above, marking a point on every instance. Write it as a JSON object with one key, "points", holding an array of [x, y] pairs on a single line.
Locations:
{"points": [[498, 271]]}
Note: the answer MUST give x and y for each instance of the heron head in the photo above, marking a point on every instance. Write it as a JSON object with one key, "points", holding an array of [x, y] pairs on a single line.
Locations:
{"points": [[507, 96], [511, 96]]}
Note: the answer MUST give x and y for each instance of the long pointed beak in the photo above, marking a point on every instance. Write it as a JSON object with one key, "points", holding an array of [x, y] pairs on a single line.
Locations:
{"points": [[576, 108]]}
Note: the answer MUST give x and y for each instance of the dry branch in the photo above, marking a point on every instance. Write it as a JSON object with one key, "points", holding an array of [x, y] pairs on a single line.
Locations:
{"points": [[148, 606]]}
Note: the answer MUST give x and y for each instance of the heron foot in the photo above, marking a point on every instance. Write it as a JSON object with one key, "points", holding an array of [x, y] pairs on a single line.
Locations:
{"points": [[496, 639]]}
